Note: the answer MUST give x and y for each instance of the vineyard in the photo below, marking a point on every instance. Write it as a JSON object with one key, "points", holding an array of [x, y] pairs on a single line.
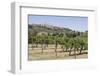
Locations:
{"points": [[50, 42]]}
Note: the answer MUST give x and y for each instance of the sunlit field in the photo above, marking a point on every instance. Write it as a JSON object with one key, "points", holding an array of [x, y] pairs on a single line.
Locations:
{"points": [[49, 41], [48, 53]]}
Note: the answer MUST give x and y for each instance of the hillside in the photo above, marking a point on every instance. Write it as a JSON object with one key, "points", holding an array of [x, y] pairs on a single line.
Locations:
{"points": [[48, 29]]}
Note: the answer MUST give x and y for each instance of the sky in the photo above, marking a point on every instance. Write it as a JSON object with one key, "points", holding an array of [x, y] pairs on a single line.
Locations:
{"points": [[73, 22]]}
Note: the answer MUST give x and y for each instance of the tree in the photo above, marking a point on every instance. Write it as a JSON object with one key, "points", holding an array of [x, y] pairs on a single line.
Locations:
{"points": [[41, 41], [66, 43], [71, 45], [56, 43], [33, 39], [76, 45], [82, 44], [61, 42]]}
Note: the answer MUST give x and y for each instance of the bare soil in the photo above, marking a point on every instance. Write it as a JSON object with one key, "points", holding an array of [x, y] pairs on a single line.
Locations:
{"points": [[49, 53]]}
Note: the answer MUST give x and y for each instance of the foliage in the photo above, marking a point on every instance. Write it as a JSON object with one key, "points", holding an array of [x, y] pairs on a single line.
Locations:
{"points": [[68, 39]]}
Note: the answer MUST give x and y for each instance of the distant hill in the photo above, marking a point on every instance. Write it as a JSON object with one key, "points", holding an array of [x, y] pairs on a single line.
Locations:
{"points": [[48, 28]]}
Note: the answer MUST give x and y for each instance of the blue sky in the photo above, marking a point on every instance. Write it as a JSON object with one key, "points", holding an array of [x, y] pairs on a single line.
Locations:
{"points": [[73, 22]]}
